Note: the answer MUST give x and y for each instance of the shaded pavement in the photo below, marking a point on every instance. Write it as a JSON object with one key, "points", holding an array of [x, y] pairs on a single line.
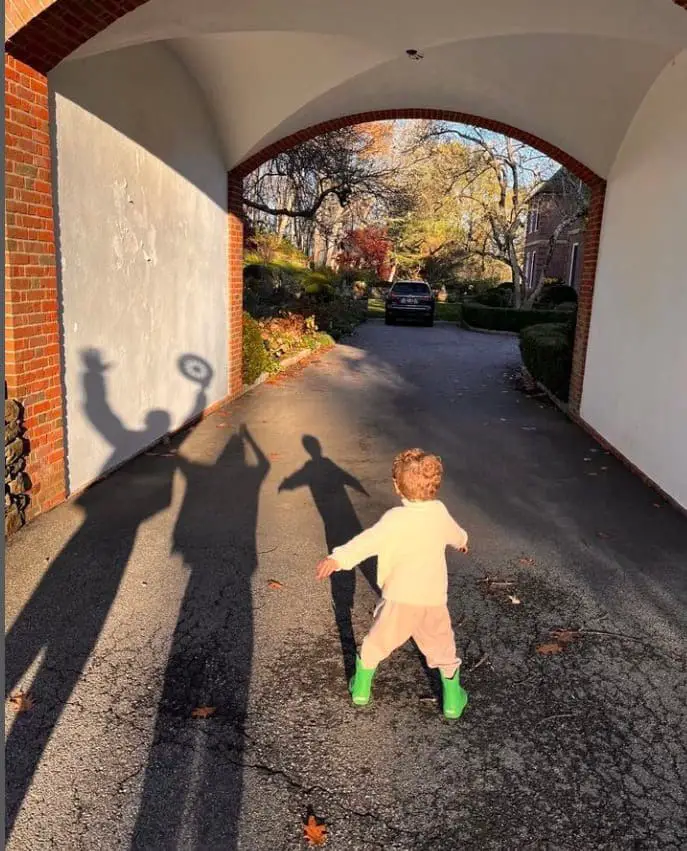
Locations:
{"points": [[149, 598]]}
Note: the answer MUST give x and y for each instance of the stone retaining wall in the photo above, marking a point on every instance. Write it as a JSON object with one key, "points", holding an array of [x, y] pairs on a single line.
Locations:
{"points": [[16, 481]]}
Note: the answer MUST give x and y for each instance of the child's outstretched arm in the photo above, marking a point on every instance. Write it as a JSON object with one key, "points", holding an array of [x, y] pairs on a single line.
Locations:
{"points": [[357, 550], [456, 536]]}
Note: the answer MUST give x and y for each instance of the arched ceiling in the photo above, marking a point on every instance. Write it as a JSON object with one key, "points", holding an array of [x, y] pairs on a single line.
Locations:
{"points": [[572, 72]]}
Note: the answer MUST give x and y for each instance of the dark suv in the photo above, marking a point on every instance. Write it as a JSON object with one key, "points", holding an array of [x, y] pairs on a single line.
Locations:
{"points": [[410, 300]]}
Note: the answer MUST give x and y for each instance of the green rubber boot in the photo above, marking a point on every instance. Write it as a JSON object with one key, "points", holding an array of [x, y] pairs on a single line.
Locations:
{"points": [[455, 696], [360, 686]]}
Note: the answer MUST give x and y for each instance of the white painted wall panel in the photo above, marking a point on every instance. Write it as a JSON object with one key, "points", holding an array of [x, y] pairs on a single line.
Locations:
{"points": [[635, 387], [141, 191]]}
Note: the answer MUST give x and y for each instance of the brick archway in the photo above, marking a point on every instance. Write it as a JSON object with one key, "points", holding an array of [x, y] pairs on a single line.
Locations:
{"points": [[592, 234], [40, 34]]}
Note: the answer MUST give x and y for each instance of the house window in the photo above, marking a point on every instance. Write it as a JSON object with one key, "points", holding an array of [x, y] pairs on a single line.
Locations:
{"points": [[533, 223], [530, 268], [574, 255]]}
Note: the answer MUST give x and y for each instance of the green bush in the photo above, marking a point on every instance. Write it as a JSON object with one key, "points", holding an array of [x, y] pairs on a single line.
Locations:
{"points": [[317, 283], [268, 247], [547, 353], [336, 317], [554, 294], [505, 318], [499, 296], [566, 307], [495, 298], [255, 357]]}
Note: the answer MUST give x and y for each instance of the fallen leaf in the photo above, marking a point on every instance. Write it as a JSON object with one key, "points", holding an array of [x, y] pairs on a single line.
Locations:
{"points": [[526, 560], [514, 600], [21, 702], [274, 584], [565, 636], [314, 833], [203, 711], [549, 648]]}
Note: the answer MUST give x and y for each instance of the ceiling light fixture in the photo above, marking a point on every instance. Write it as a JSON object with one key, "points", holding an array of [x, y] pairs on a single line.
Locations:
{"points": [[411, 53]]}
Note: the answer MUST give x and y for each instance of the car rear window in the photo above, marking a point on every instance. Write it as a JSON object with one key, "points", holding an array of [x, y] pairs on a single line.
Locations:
{"points": [[410, 288]]}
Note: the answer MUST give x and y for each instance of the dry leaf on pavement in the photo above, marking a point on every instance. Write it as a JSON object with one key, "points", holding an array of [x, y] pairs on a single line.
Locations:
{"points": [[514, 600], [561, 638], [21, 702], [526, 560], [203, 711], [274, 584], [314, 833], [565, 636]]}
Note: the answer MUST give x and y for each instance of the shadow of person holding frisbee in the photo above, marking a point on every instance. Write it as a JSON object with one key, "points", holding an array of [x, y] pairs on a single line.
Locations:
{"points": [[64, 617]]}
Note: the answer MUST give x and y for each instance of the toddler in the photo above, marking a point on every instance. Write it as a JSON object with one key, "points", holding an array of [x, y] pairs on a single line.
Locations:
{"points": [[410, 544]]}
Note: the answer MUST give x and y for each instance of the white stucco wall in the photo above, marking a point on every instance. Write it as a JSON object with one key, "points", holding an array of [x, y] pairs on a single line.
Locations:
{"points": [[635, 387], [141, 193]]}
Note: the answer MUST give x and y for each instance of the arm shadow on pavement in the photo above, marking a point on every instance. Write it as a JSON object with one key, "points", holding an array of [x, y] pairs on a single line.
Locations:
{"points": [[192, 787], [328, 485], [64, 616]]}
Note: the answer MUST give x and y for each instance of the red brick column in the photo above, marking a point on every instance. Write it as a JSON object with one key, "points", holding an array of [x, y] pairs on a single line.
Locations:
{"points": [[32, 331], [592, 239], [235, 269]]}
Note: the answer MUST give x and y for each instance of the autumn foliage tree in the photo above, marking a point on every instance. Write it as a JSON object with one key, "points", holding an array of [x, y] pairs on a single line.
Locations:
{"points": [[366, 248]]}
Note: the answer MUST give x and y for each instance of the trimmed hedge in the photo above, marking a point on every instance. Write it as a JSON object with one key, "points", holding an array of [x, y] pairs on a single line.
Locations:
{"points": [[555, 294], [505, 318], [547, 353], [255, 357]]}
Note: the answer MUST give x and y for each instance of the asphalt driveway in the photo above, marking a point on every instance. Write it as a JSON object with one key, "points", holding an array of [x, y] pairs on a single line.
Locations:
{"points": [[185, 582]]}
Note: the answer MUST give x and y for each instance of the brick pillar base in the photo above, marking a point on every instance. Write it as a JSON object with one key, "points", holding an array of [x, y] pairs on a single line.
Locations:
{"points": [[235, 270], [33, 367], [592, 238]]}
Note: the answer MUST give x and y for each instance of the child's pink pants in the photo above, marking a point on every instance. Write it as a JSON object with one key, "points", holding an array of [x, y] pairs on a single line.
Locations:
{"points": [[429, 626]]}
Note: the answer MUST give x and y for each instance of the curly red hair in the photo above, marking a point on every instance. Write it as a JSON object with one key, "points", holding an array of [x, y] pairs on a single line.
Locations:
{"points": [[417, 474]]}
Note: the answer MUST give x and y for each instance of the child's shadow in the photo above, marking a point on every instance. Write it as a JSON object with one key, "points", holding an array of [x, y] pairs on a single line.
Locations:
{"points": [[328, 483]]}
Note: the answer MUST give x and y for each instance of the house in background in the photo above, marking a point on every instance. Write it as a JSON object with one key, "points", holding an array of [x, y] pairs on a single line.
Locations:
{"points": [[556, 200]]}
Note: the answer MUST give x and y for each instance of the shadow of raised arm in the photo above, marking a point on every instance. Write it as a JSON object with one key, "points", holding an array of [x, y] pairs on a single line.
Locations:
{"points": [[263, 464], [96, 406]]}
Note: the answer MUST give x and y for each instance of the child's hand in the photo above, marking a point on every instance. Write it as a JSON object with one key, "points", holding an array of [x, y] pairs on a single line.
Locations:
{"points": [[325, 568], [464, 549]]}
